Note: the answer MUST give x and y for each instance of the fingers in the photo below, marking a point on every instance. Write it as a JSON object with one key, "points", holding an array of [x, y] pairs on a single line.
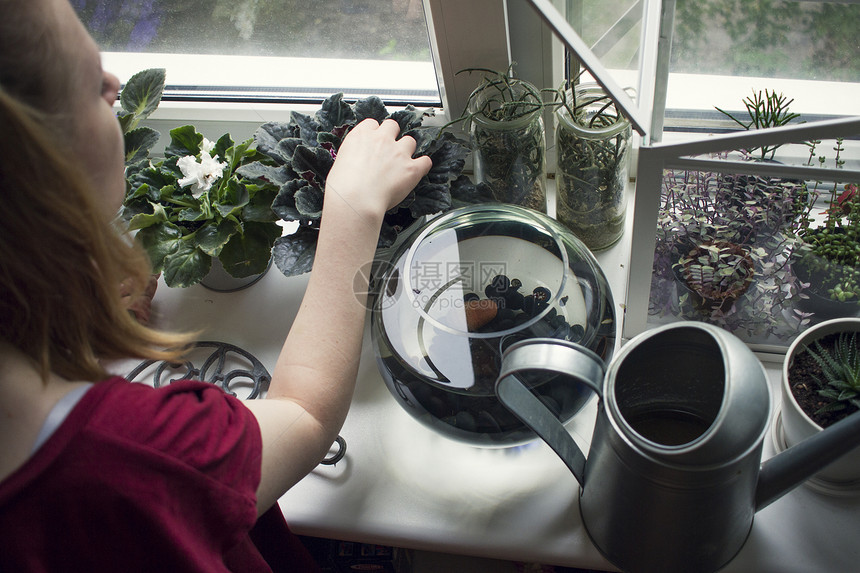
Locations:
{"points": [[389, 125], [423, 164]]}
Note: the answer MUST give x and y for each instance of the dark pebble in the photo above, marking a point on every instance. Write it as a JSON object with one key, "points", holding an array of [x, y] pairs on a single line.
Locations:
{"points": [[514, 300], [542, 294]]}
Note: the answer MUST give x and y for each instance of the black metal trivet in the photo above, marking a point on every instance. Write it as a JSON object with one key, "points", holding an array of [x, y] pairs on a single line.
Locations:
{"points": [[213, 371]]}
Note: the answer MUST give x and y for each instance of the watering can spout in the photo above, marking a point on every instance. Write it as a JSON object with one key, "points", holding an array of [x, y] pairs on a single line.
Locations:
{"points": [[787, 470]]}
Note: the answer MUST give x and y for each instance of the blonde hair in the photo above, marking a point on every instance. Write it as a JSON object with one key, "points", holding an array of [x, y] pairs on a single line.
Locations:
{"points": [[61, 262]]}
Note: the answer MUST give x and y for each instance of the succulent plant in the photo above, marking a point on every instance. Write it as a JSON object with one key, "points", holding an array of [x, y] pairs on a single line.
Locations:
{"points": [[719, 272], [840, 368]]}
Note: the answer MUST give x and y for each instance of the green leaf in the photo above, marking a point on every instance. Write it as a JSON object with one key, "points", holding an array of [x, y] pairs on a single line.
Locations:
{"points": [[430, 198], [138, 142], [143, 220], [259, 208], [184, 141], [409, 117], [186, 266], [248, 253], [142, 93], [294, 254], [127, 121], [223, 149], [155, 179], [370, 107], [284, 204], [258, 170], [309, 202], [268, 137], [317, 160], [212, 237], [160, 241], [232, 196], [306, 127], [191, 214], [334, 112]]}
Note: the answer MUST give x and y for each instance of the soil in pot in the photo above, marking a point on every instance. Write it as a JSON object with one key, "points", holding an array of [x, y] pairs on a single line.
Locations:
{"points": [[802, 378]]}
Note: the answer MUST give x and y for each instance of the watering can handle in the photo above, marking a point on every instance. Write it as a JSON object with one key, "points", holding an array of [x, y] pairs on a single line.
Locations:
{"points": [[557, 357]]}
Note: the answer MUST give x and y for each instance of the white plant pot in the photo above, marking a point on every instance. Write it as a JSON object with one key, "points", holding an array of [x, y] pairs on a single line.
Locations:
{"points": [[797, 426]]}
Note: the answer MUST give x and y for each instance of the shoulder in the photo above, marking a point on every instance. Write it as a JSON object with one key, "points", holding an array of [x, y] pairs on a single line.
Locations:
{"points": [[191, 420]]}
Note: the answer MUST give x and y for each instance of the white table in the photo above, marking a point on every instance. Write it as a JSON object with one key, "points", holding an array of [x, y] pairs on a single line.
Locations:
{"points": [[404, 485]]}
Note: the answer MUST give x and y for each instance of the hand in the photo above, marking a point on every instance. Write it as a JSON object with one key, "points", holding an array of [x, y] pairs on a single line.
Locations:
{"points": [[140, 306], [374, 171]]}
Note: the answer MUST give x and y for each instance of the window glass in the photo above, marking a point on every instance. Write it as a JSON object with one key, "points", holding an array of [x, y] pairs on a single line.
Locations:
{"points": [[278, 38], [723, 50], [768, 38], [612, 30]]}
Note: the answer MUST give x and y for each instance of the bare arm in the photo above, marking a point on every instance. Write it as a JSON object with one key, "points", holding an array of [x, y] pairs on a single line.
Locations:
{"points": [[314, 379]]}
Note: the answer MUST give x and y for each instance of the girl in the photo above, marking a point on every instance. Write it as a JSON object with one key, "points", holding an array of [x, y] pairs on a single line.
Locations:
{"points": [[99, 474]]}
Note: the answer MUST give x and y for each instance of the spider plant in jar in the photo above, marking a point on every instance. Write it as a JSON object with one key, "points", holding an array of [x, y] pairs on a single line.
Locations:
{"points": [[593, 141], [504, 119]]}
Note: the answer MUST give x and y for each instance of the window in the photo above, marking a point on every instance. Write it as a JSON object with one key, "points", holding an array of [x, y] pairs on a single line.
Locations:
{"points": [[270, 50]]}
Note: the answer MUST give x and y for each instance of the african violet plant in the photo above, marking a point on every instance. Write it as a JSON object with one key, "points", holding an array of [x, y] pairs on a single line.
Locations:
{"points": [[193, 205], [298, 155]]}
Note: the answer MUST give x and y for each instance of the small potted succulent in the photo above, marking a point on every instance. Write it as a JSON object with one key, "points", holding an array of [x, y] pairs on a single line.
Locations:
{"points": [[784, 199], [770, 110], [504, 116], [829, 259], [820, 386], [295, 157], [593, 142], [716, 273], [192, 209]]}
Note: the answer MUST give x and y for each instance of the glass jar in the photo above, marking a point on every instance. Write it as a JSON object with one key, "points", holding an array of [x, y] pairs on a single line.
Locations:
{"points": [[593, 156], [468, 285], [508, 142]]}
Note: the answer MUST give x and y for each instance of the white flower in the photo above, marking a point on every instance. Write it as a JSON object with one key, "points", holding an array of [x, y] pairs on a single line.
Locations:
{"points": [[203, 174], [207, 146]]}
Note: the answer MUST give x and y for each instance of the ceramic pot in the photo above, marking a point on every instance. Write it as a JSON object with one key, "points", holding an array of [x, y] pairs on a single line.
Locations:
{"points": [[219, 280], [793, 425]]}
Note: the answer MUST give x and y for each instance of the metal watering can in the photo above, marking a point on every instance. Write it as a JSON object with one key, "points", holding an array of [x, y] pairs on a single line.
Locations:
{"points": [[674, 474]]}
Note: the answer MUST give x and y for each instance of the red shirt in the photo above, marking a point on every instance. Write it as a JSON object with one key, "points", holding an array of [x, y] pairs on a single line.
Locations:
{"points": [[144, 479]]}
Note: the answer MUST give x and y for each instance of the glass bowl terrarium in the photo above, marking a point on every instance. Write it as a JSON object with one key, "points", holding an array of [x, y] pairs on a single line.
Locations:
{"points": [[465, 287]]}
